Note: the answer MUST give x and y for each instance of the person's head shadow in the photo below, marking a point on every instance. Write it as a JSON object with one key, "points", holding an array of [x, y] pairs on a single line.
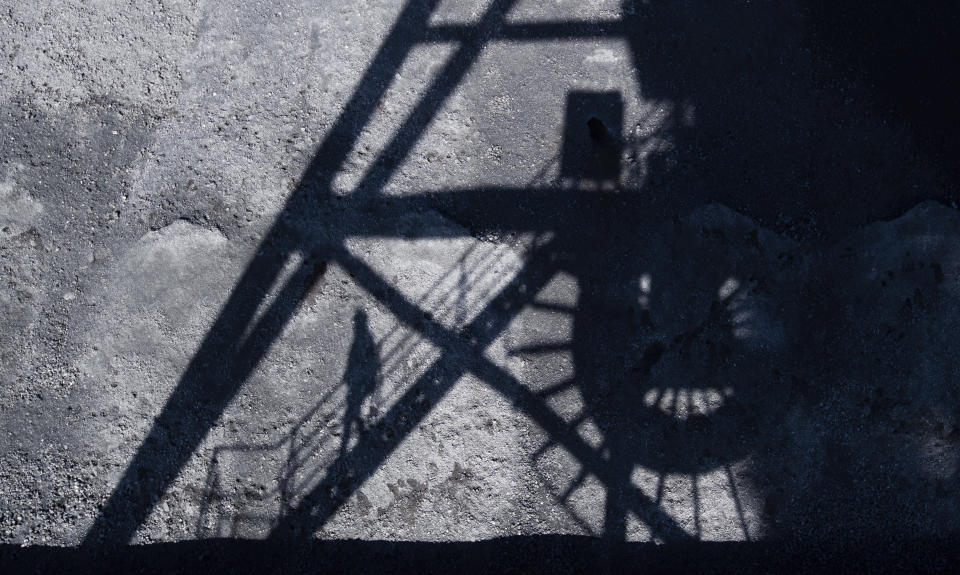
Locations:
{"points": [[360, 328]]}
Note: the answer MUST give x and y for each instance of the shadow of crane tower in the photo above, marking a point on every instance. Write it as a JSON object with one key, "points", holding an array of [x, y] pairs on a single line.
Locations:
{"points": [[312, 229]]}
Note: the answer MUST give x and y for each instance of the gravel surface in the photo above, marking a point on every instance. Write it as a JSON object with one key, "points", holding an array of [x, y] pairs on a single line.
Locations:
{"points": [[305, 270]]}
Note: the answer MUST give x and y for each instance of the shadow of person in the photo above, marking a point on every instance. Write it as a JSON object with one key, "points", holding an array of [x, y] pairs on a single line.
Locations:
{"points": [[359, 378]]}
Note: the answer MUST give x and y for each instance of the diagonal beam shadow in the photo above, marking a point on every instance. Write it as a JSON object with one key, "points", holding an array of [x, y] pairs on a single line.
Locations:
{"points": [[226, 358], [205, 389], [365, 458], [429, 388], [457, 66], [209, 383]]}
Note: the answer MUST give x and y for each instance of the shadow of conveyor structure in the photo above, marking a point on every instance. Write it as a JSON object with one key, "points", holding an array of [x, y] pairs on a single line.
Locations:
{"points": [[669, 394]]}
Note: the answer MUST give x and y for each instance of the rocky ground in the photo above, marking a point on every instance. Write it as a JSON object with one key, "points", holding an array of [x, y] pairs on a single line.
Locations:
{"points": [[264, 278]]}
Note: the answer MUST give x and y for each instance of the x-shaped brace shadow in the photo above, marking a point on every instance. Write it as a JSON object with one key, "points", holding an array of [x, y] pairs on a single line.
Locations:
{"points": [[240, 337]]}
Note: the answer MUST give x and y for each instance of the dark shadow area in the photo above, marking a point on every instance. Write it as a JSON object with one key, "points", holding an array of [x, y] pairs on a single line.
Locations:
{"points": [[728, 324], [779, 133], [592, 154], [532, 554], [904, 53]]}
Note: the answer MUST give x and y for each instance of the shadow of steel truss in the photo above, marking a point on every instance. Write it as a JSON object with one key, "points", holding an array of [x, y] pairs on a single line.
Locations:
{"points": [[240, 336]]}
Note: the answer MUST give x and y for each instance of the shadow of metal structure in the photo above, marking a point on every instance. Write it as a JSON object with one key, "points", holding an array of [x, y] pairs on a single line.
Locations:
{"points": [[615, 346], [226, 357]]}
